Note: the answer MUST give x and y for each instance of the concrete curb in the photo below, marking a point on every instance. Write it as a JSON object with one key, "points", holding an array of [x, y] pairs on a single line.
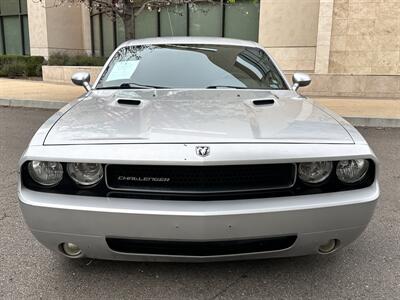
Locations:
{"points": [[32, 103], [356, 121], [373, 122]]}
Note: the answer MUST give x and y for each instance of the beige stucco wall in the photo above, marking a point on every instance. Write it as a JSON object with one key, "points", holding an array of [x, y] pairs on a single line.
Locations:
{"points": [[365, 37], [324, 37], [63, 74], [288, 29], [37, 29], [60, 29], [86, 30]]}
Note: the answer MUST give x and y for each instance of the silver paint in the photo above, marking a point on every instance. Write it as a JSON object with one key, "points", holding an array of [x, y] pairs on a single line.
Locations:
{"points": [[165, 129], [195, 116]]}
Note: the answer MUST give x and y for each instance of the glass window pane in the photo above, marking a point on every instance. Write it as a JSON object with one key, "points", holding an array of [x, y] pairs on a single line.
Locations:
{"points": [[108, 35], [26, 35], [120, 31], [96, 35], [241, 20], [24, 9], [205, 20], [174, 21], [9, 7], [146, 24], [12, 35], [193, 66]]}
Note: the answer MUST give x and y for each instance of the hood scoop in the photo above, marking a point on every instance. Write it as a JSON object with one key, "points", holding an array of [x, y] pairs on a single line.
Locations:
{"points": [[133, 102], [195, 117], [261, 102]]}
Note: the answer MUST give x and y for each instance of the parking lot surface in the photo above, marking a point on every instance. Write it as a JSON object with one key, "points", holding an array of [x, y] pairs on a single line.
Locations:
{"points": [[368, 269]]}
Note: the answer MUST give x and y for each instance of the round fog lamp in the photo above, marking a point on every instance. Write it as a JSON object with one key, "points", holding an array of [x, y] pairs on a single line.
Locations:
{"points": [[315, 172], [328, 247], [71, 249], [85, 174], [46, 173], [352, 171]]}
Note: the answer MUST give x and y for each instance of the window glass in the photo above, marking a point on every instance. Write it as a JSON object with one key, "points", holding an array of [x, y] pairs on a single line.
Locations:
{"points": [[12, 35], [241, 20], [205, 20], [236, 20], [146, 24], [120, 31], [9, 7], [24, 8], [26, 35], [96, 35], [173, 21], [192, 66], [1, 41], [108, 35]]}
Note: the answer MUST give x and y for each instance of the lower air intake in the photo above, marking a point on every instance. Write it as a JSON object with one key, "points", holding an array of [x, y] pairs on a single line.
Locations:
{"points": [[201, 249]]}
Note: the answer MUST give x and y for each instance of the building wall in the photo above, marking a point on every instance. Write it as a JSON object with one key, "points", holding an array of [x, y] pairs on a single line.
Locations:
{"points": [[365, 37], [65, 32], [37, 29], [86, 31], [288, 29], [316, 36], [14, 32], [61, 29]]}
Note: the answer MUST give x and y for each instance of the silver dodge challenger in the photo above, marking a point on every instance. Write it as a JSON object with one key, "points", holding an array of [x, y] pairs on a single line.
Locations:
{"points": [[192, 150]]}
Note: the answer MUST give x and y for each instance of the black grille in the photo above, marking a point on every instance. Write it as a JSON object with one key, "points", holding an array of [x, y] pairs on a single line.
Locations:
{"points": [[200, 179], [201, 249]]}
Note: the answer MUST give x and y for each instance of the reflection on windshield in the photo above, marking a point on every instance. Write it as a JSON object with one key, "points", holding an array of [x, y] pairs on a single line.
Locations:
{"points": [[192, 66]]}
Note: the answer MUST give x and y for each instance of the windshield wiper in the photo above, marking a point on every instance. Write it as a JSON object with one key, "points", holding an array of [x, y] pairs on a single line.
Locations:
{"points": [[226, 86], [127, 85]]}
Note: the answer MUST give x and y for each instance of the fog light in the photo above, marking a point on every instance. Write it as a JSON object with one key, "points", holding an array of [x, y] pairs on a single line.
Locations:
{"points": [[71, 249], [329, 247]]}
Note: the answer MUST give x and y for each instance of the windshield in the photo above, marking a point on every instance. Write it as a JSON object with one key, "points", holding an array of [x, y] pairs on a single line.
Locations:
{"points": [[191, 66]]}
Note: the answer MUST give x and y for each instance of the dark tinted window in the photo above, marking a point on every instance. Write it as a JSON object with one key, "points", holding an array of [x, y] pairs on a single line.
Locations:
{"points": [[192, 66], [14, 31]]}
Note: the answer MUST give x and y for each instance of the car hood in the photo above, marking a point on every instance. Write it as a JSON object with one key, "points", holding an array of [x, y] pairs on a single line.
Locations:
{"points": [[195, 116]]}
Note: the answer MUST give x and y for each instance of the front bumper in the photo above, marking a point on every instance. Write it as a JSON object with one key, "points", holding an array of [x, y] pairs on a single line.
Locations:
{"points": [[87, 221]]}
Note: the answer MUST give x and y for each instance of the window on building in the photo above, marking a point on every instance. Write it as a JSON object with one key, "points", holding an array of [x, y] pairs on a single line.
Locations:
{"points": [[239, 20], [14, 33]]}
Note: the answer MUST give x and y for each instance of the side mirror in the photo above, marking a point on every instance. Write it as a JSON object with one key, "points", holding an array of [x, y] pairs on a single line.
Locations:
{"points": [[300, 80], [82, 79]]}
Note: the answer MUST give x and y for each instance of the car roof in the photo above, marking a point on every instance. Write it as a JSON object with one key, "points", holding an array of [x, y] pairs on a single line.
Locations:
{"points": [[190, 40]]}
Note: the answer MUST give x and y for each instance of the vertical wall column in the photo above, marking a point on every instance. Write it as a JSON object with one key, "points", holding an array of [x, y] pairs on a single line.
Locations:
{"points": [[324, 37], [37, 23], [86, 30], [58, 29]]}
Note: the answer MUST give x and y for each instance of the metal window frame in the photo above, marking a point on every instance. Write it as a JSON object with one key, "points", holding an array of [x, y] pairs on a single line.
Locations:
{"points": [[20, 16]]}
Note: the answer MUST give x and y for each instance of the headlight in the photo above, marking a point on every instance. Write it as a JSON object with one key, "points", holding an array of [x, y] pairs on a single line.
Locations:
{"points": [[315, 172], [352, 171], [47, 173], [85, 174]]}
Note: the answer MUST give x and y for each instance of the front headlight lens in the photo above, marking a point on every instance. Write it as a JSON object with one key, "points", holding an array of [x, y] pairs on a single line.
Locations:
{"points": [[85, 174], [47, 173], [315, 172], [352, 171]]}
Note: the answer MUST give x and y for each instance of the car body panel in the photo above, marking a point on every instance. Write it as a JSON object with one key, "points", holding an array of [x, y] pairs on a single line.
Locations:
{"points": [[165, 129], [185, 154], [215, 116], [86, 221]]}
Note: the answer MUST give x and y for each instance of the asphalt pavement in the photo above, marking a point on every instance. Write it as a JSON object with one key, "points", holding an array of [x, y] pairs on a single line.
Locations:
{"points": [[367, 269]]}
